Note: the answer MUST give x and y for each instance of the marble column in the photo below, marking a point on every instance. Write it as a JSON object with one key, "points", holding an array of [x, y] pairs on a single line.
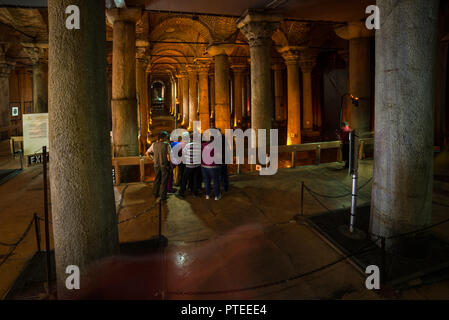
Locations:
{"points": [[307, 66], [185, 99], [6, 67], [258, 28], [109, 92], [239, 81], [82, 195], [193, 95], [222, 111], [124, 103], [179, 97], [203, 83], [142, 93], [346, 111], [291, 56], [212, 95], [359, 74], [404, 123], [37, 53], [278, 91]]}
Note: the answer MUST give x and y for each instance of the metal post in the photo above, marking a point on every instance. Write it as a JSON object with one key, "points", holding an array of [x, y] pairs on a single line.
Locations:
{"points": [[21, 159], [47, 230], [302, 198], [38, 233], [351, 151], [354, 202]]}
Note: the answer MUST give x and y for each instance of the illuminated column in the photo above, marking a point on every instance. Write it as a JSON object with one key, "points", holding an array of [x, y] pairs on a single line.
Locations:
{"points": [[109, 89], [212, 93], [404, 124], [291, 56], [359, 73], [142, 95], [307, 66], [185, 99], [239, 103], [124, 103], [179, 96], [193, 95], [203, 74], [258, 29], [278, 91], [222, 110], [36, 53], [82, 195], [5, 68]]}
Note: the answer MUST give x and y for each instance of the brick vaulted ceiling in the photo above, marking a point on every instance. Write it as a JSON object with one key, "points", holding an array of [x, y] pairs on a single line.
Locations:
{"points": [[179, 31]]}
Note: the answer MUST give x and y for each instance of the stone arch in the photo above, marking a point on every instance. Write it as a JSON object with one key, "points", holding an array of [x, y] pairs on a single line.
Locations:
{"points": [[182, 23]]}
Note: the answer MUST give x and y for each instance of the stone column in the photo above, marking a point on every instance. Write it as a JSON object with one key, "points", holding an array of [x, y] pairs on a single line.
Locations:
{"points": [[193, 95], [203, 74], [239, 81], [142, 93], [222, 112], [404, 123], [307, 66], [212, 93], [346, 111], [278, 91], [109, 91], [5, 68], [185, 99], [359, 74], [258, 29], [82, 196], [37, 53], [291, 56], [124, 103], [178, 96]]}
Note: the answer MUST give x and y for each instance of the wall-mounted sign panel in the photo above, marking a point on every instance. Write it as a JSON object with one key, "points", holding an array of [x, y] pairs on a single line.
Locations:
{"points": [[35, 132]]}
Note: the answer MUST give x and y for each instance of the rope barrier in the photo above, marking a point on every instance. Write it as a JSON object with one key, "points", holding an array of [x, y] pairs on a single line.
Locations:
{"points": [[314, 195], [338, 196], [14, 246], [279, 282], [138, 214]]}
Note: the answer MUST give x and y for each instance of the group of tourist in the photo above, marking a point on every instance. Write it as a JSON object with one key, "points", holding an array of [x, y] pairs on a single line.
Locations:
{"points": [[191, 171]]}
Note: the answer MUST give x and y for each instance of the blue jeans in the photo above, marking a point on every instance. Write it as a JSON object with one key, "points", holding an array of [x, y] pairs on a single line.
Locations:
{"points": [[211, 174]]}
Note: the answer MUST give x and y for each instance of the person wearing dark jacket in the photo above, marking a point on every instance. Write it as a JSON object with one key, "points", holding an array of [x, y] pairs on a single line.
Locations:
{"points": [[160, 151]]}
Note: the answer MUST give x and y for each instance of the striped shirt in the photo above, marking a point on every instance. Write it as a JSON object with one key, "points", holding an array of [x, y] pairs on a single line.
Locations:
{"points": [[192, 155]]}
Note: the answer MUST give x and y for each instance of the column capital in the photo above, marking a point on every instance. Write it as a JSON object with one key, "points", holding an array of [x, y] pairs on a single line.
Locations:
{"points": [[203, 65], [142, 56], [291, 54], [6, 65], [307, 64], [220, 49], [353, 30], [123, 14], [183, 75], [37, 52], [258, 27]]}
